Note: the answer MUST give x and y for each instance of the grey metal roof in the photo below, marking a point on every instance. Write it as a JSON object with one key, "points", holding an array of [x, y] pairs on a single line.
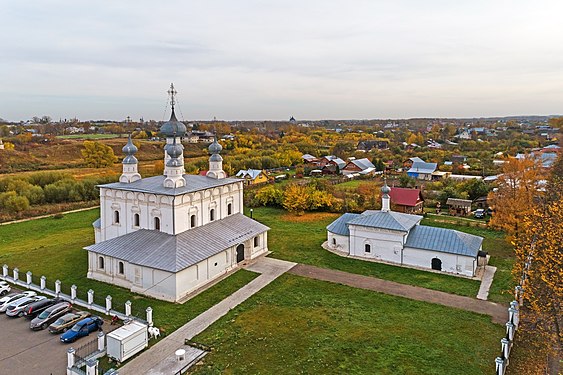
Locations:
{"points": [[444, 240], [422, 167], [339, 226], [363, 164], [386, 220], [155, 185], [459, 202], [97, 223], [173, 253]]}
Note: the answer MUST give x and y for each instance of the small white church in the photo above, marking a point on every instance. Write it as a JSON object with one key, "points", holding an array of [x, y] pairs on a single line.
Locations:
{"points": [[399, 238], [167, 236]]}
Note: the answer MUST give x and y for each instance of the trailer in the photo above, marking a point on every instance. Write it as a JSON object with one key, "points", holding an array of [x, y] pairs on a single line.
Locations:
{"points": [[125, 342]]}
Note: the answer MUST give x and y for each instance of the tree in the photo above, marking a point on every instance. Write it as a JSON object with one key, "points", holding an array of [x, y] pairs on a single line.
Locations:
{"points": [[13, 203], [476, 188], [98, 155], [514, 198], [296, 199], [269, 196]]}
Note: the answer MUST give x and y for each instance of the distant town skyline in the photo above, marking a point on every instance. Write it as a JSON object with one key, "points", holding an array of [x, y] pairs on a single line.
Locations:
{"points": [[254, 60]]}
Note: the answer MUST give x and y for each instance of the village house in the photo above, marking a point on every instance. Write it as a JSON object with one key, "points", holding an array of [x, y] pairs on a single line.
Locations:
{"points": [[252, 176], [398, 238], [459, 207], [422, 170], [361, 166], [167, 236], [310, 159], [331, 160], [366, 146], [406, 200]]}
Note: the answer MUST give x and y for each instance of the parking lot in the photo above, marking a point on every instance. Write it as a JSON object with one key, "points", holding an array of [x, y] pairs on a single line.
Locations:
{"points": [[23, 351]]}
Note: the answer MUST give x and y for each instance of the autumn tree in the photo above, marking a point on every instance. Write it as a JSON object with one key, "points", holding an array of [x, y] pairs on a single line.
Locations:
{"points": [[518, 186], [295, 199], [98, 155], [269, 196]]}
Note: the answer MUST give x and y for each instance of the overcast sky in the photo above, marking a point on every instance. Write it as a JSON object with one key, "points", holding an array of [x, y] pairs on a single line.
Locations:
{"points": [[271, 60]]}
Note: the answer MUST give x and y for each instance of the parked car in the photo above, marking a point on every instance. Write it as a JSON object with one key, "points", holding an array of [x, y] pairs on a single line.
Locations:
{"points": [[16, 308], [479, 214], [82, 328], [5, 301], [49, 315], [67, 321], [38, 307], [4, 288]]}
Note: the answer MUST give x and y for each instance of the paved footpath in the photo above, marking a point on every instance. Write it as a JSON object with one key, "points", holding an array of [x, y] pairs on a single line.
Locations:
{"points": [[486, 282], [498, 313], [148, 361]]}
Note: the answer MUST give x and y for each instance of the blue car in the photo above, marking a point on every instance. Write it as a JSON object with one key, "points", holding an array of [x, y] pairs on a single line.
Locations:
{"points": [[82, 328]]}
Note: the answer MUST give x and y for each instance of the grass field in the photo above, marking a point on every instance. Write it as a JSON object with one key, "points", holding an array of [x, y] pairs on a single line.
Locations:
{"points": [[302, 326], [53, 248], [299, 238], [89, 136]]}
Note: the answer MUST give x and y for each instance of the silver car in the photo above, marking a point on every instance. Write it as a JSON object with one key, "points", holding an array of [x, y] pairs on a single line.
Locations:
{"points": [[15, 309], [49, 315], [6, 301], [4, 288]]}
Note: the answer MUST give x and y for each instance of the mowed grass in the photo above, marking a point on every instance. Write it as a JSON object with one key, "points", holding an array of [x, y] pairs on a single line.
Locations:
{"points": [[89, 136], [299, 238], [303, 326], [53, 248], [501, 252]]}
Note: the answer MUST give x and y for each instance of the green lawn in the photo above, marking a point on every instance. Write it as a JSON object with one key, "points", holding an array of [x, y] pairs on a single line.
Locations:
{"points": [[297, 325], [88, 136], [502, 256], [299, 239], [53, 248]]}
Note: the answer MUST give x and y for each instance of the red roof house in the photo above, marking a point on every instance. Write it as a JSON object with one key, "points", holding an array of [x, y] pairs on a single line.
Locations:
{"points": [[406, 200]]}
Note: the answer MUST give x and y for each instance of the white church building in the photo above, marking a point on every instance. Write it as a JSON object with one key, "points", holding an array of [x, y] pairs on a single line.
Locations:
{"points": [[399, 238], [167, 236]]}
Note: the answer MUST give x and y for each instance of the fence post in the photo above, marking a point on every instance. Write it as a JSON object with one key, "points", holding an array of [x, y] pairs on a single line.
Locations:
{"points": [[28, 278], [70, 360], [90, 297], [91, 367], [513, 316], [510, 327], [73, 293], [16, 275], [499, 361], [5, 270], [58, 287], [108, 304], [43, 282], [101, 341], [128, 308], [149, 316], [505, 347]]}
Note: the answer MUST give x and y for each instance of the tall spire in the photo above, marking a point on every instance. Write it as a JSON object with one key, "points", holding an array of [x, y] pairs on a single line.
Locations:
{"points": [[172, 92]]}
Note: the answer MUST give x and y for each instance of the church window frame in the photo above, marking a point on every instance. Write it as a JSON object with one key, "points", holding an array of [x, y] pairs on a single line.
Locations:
{"points": [[101, 263], [136, 220], [157, 223], [229, 208], [121, 268], [334, 241], [193, 221], [367, 248], [212, 214], [116, 216], [256, 241]]}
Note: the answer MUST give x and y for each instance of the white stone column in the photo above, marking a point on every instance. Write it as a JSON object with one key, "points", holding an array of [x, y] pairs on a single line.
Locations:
{"points": [[513, 316], [28, 278], [70, 359], [90, 297], [108, 304], [510, 328], [128, 308], [505, 347], [5, 270], [58, 287], [149, 316], [73, 293], [101, 341], [500, 368], [43, 282], [91, 367], [16, 274]]}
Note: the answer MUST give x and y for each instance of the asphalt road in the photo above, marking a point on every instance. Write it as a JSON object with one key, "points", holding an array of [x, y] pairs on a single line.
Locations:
{"points": [[23, 351]]}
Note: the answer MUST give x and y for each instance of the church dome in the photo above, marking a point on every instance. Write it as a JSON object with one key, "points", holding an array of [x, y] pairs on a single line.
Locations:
{"points": [[215, 157], [129, 150], [385, 189], [173, 127], [175, 149], [215, 147]]}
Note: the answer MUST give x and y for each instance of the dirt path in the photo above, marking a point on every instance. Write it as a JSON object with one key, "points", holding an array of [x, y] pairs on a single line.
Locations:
{"points": [[497, 312]]}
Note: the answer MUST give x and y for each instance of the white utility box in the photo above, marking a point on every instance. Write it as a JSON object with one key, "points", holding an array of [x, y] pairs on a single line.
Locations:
{"points": [[125, 342]]}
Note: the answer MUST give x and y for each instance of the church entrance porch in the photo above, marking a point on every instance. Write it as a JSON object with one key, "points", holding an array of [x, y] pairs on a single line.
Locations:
{"points": [[240, 253], [436, 264]]}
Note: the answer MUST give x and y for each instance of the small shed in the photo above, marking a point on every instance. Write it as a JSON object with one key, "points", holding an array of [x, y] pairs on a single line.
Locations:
{"points": [[125, 342], [459, 207]]}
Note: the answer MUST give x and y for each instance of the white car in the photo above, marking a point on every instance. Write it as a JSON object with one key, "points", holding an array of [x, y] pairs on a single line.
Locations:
{"points": [[5, 301], [4, 288], [16, 308]]}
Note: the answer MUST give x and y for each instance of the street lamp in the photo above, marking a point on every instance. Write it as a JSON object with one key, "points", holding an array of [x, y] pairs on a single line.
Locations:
{"points": [[251, 211]]}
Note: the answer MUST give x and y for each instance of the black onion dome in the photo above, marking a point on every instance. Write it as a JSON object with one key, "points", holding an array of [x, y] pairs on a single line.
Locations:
{"points": [[173, 127]]}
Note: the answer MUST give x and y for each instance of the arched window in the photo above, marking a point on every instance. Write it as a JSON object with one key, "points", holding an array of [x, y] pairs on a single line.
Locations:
{"points": [[120, 268], [101, 263], [157, 223], [368, 248], [192, 221], [116, 217], [256, 241], [212, 214], [229, 209], [136, 220], [334, 241]]}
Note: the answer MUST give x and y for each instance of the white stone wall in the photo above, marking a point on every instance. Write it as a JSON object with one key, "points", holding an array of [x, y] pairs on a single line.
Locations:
{"points": [[338, 242], [451, 263], [384, 244]]}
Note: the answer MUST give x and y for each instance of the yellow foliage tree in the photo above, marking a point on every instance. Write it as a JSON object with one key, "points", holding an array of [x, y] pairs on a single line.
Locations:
{"points": [[98, 155], [295, 199]]}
